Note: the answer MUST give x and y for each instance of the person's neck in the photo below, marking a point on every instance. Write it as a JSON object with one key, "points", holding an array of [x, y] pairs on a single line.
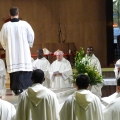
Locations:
{"points": [[40, 57], [14, 17]]}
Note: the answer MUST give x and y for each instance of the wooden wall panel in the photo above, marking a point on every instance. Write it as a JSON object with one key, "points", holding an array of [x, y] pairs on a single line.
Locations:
{"points": [[82, 22]]}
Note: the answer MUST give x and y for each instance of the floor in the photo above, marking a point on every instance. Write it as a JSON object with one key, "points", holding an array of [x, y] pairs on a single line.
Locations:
{"points": [[61, 94]]}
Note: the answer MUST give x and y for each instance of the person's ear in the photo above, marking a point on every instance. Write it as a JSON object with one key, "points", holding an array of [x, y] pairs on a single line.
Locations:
{"points": [[118, 89], [88, 86], [75, 85]]}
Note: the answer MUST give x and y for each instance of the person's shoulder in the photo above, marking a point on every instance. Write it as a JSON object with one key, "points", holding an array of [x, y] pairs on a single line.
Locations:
{"points": [[24, 22], [49, 92], [1, 60], [6, 24], [5, 103], [94, 96]]}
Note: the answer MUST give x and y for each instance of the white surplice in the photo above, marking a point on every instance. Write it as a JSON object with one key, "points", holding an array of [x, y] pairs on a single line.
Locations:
{"points": [[107, 100], [117, 73], [32, 60], [44, 65], [94, 61], [7, 110], [37, 103], [3, 77], [64, 80], [112, 110], [82, 105], [16, 38]]}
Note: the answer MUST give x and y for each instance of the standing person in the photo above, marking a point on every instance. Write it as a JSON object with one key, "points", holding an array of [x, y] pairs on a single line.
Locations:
{"points": [[16, 38], [37, 102], [82, 104], [42, 63], [112, 110], [117, 69], [3, 77], [7, 110], [60, 72], [94, 61]]}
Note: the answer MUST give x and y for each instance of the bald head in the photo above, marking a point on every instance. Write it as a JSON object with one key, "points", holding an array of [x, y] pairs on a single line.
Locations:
{"points": [[59, 55]]}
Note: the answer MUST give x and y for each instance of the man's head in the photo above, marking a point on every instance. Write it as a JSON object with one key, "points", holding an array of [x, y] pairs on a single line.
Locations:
{"points": [[118, 85], [59, 55], [82, 81], [89, 51], [38, 76], [40, 53], [14, 12]]}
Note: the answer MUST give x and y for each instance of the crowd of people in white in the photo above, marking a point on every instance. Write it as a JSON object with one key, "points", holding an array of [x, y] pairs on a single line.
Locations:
{"points": [[31, 80], [38, 101]]}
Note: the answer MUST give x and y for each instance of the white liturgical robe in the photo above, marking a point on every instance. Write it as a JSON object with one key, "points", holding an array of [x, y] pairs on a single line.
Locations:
{"points": [[3, 77], [107, 100], [112, 110], [64, 80], [44, 65], [82, 105], [117, 73], [7, 110], [16, 38], [94, 61], [37, 103]]}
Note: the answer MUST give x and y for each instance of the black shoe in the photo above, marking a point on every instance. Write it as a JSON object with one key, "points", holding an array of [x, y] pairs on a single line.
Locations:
{"points": [[17, 92]]}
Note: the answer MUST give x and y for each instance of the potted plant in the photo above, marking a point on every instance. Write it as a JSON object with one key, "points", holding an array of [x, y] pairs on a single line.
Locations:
{"points": [[82, 66]]}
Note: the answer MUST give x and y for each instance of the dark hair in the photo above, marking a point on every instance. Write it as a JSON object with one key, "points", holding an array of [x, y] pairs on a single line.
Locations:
{"points": [[118, 82], [40, 50], [82, 81], [14, 11], [37, 76]]}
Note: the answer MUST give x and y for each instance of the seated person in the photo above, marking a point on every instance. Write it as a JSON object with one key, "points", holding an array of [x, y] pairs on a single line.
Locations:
{"points": [[112, 110], [37, 102], [82, 104], [42, 63], [3, 77], [7, 110], [60, 72]]}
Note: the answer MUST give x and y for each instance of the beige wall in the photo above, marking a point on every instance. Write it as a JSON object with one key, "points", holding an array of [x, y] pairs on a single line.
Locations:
{"points": [[82, 21]]}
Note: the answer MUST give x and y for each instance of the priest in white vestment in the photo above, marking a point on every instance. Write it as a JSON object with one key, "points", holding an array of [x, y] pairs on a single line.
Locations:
{"points": [[3, 77], [17, 36], [42, 63], [94, 61], [82, 104], [112, 110], [60, 72], [117, 69], [7, 110], [37, 102]]}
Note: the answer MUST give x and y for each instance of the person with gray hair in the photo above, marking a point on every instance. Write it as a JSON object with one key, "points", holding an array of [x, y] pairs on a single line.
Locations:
{"points": [[60, 72], [16, 37]]}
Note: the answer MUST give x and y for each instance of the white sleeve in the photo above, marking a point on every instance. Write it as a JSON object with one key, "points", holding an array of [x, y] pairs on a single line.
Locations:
{"points": [[30, 35], [2, 38]]}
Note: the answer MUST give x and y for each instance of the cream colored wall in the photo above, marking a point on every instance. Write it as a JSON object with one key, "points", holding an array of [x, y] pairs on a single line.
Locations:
{"points": [[82, 22]]}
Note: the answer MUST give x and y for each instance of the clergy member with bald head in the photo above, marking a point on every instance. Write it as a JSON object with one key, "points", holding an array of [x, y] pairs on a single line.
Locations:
{"points": [[60, 72]]}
